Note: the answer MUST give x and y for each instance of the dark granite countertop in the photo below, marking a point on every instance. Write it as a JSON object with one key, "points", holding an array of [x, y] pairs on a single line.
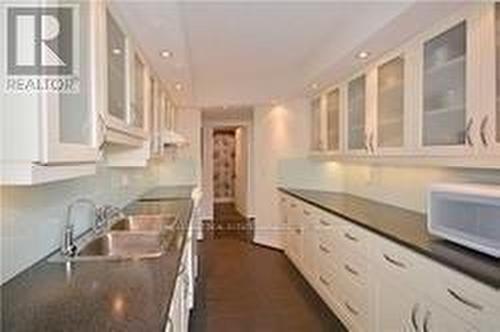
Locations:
{"points": [[99, 296], [405, 227]]}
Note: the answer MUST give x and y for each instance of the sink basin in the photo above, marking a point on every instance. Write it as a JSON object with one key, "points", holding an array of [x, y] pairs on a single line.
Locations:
{"points": [[122, 245], [145, 223]]}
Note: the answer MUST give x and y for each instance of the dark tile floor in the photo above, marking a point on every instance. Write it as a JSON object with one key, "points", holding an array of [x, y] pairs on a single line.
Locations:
{"points": [[249, 288]]}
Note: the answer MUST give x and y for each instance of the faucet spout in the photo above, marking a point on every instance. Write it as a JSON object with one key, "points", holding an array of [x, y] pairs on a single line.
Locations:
{"points": [[68, 247]]}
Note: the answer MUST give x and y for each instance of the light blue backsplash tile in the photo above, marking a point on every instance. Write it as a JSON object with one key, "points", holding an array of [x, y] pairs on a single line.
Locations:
{"points": [[32, 217], [310, 174]]}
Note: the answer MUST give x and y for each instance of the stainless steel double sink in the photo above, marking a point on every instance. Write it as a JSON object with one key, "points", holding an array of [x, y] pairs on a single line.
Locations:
{"points": [[130, 237]]}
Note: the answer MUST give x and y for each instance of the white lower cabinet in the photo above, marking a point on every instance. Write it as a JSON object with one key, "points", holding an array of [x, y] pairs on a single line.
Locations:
{"points": [[374, 284]]}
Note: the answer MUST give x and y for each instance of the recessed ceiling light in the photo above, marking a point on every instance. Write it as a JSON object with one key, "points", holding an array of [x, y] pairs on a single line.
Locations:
{"points": [[117, 51], [315, 86], [166, 54], [178, 86], [363, 55]]}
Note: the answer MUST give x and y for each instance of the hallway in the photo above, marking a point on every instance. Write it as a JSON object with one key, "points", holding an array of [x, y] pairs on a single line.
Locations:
{"points": [[249, 288]]}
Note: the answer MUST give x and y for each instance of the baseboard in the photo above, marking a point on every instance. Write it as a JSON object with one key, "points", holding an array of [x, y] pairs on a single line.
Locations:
{"points": [[267, 246]]}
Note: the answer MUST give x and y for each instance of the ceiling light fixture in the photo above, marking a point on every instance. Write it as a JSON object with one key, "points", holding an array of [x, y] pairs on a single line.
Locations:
{"points": [[363, 55], [166, 54], [178, 86], [315, 86], [117, 51]]}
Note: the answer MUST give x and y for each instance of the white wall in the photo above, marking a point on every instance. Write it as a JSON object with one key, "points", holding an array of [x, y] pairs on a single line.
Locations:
{"points": [[241, 170]]}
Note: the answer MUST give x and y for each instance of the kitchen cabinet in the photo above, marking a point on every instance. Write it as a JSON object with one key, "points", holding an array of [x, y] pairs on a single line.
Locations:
{"points": [[447, 101], [49, 136], [374, 284], [294, 241], [391, 111], [430, 101], [333, 120], [124, 82], [316, 124]]}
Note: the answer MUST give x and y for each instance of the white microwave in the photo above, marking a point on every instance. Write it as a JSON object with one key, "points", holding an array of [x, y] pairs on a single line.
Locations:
{"points": [[467, 214]]}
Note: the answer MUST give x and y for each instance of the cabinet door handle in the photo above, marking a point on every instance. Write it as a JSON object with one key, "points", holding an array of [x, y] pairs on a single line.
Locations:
{"points": [[394, 262], [426, 321], [414, 322], [351, 309], [324, 249], [351, 270], [323, 281], [370, 142], [350, 237], [324, 223], [468, 130], [465, 301], [482, 131]]}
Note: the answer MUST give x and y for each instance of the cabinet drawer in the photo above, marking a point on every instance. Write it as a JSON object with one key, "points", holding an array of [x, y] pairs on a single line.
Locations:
{"points": [[398, 262], [353, 268], [353, 303], [327, 282], [327, 253], [354, 239], [465, 298]]}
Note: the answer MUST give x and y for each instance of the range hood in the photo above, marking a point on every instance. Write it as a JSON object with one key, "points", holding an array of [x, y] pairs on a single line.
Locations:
{"points": [[171, 138]]}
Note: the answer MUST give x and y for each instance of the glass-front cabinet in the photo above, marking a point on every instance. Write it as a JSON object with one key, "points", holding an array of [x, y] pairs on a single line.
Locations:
{"points": [[316, 124], [391, 105], [358, 139], [116, 69], [138, 103], [332, 108], [447, 120]]}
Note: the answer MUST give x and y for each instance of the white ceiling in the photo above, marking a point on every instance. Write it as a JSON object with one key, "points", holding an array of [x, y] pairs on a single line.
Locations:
{"points": [[234, 53]]}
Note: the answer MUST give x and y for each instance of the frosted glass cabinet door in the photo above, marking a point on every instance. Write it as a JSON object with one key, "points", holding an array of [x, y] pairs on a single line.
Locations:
{"points": [[116, 54], [75, 116], [316, 142], [332, 120], [390, 105], [137, 115], [356, 96], [444, 89]]}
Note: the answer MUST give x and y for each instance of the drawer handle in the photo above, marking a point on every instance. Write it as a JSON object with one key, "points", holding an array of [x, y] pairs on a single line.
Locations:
{"points": [[324, 249], [414, 311], [351, 237], [307, 213], [465, 301], [351, 270], [351, 309], [324, 223], [293, 205], [323, 281], [426, 321], [394, 262]]}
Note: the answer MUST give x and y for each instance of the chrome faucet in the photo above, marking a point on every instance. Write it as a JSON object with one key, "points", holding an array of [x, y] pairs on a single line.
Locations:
{"points": [[68, 247]]}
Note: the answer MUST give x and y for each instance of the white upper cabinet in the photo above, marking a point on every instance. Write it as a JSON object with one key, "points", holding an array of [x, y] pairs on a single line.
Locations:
{"points": [[53, 135], [391, 115], [447, 107], [124, 82], [316, 124], [433, 100], [333, 120], [360, 137]]}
